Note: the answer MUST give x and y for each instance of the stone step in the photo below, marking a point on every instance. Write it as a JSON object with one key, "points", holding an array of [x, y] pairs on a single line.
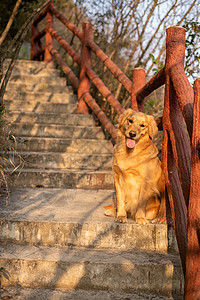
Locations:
{"points": [[37, 87], [36, 71], [62, 131], [32, 106], [91, 269], [36, 216], [61, 178], [50, 118], [41, 97], [87, 146], [30, 64], [34, 79], [53, 160], [19, 293]]}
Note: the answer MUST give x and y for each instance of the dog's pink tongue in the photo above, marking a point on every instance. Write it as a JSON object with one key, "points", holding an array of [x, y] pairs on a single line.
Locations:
{"points": [[130, 143]]}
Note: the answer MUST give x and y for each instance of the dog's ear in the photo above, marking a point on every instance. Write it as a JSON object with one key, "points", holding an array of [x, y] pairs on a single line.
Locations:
{"points": [[124, 116], [152, 127]]}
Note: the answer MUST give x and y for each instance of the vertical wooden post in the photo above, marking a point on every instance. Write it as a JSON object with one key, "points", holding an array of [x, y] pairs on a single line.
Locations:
{"points": [[192, 279], [172, 181], [176, 148], [181, 84], [49, 39], [175, 54], [84, 86], [34, 45], [137, 84]]}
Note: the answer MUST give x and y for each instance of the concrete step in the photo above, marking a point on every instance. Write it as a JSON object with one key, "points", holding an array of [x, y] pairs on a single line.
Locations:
{"points": [[33, 70], [34, 79], [85, 179], [62, 131], [45, 107], [51, 118], [19, 293], [27, 67], [36, 216], [53, 160], [37, 87], [41, 97], [87, 146], [28, 64], [89, 269]]}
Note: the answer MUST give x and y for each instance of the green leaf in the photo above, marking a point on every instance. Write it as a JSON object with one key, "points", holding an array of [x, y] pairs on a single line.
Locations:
{"points": [[155, 71], [151, 103], [152, 56], [161, 66]]}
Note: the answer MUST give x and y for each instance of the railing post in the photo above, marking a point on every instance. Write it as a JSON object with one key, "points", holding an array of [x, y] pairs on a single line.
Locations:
{"points": [[49, 39], [84, 86], [192, 279], [137, 84], [35, 45], [175, 68], [175, 146]]}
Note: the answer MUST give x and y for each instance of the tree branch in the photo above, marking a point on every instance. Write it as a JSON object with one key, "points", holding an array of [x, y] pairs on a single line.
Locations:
{"points": [[9, 24]]}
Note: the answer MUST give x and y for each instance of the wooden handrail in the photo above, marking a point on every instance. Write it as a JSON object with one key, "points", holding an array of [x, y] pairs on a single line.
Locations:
{"points": [[66, 22], [41, 16], [100, 54], [101, 115], [76, 58], [105, 91], [154, 83], [92, 75], [87, 97], [70, 74], [115, 70]]}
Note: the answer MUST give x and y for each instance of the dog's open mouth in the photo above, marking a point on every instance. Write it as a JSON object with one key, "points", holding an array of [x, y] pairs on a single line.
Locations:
{"points": [[130, 143]]}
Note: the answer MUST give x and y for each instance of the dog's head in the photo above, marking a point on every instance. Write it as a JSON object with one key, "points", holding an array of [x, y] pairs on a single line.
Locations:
{"points": [[136, 125]]}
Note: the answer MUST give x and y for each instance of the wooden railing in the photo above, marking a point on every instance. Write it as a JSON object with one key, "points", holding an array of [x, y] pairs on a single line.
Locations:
{"points": [[181, 190]]}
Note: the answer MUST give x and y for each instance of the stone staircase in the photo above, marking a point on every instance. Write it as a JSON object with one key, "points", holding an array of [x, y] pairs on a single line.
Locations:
{"points": [[56, 241], [59, 148]]}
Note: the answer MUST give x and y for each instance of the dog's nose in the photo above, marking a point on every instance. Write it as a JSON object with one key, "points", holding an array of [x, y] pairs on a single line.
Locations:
{"points": [[132, 133]]}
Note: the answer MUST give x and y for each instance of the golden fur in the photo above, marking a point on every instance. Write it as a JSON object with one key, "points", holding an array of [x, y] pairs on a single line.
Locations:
{"points": [[139, 180]]}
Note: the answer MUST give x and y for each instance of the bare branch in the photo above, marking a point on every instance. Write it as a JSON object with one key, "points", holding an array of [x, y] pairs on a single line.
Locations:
{"points": [[9, 24], [179, 23], [136, 44], [19, 38], [154, 35]]}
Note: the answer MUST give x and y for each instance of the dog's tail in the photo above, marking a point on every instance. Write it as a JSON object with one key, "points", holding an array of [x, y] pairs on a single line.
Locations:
{"points": [[110, 210]]}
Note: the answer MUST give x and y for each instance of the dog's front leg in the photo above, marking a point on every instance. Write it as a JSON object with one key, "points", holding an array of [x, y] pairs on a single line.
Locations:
{"points": [[120, 200], [140, 216]]}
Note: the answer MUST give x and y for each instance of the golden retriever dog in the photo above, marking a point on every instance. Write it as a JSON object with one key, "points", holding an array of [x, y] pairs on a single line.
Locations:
{"points": [[139, 180]]}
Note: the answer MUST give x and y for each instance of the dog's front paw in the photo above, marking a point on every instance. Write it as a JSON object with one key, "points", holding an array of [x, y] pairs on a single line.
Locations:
{"points": [[121, 219], [141, 221], [110, 211]]}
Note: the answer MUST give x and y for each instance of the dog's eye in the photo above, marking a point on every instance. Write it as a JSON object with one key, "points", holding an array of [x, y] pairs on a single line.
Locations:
{"points": [[142, 125], [130, 121]]}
